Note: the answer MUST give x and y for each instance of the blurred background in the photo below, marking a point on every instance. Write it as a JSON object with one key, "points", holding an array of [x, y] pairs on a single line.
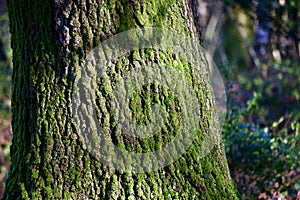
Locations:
{"points": [[256, 46], [5, 94]]}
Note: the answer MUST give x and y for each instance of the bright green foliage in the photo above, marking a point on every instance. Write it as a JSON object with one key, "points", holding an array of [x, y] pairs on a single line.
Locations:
{"points": [[268, 155]]}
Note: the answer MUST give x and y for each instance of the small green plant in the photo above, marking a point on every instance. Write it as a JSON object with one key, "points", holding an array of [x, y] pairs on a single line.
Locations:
{"points": [[262, 159]]}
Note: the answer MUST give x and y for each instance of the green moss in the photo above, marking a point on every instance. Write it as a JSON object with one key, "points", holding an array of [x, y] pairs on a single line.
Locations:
{"points": [[44, 135]]}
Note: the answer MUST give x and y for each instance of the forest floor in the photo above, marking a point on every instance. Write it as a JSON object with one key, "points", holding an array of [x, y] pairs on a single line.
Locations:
{"points": [[5, 141]]}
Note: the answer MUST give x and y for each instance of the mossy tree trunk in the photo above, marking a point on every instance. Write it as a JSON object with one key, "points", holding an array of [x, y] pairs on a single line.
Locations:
{"points": [[49, 40]]}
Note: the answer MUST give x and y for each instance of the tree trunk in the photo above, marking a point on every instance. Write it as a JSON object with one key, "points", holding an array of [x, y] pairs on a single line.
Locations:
{"points": [[51, 159]]}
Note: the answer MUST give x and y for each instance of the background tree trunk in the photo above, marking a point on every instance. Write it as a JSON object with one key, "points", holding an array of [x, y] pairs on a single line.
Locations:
{"points": [[49, 40]]}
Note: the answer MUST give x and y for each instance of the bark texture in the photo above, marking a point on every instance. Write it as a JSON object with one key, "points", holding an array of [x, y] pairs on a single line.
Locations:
{"points": [[49, 40]]}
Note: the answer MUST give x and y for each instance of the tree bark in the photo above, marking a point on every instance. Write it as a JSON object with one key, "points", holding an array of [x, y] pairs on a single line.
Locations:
{"points": [[49, 161]]}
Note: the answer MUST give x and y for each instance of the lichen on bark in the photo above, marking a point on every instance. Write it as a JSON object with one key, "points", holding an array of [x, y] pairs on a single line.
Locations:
{"points": [[50, 39]]}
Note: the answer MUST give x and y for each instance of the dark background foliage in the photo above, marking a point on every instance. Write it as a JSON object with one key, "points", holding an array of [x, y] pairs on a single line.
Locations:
{"points": [[257, 50], [5, 93]]}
